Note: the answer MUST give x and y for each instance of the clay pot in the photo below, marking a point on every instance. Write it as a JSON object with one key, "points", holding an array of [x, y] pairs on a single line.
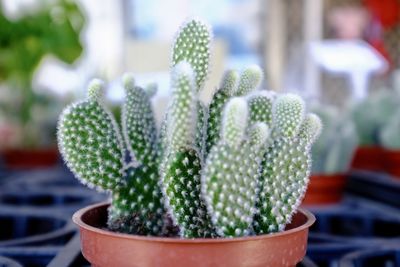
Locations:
{"points": [[30, 159], [368, 158], [392, 162], [104, 248], [325, 189]]}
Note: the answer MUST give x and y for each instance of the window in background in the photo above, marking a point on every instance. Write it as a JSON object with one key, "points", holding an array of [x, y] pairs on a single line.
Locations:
{"points": [[236, 22]]}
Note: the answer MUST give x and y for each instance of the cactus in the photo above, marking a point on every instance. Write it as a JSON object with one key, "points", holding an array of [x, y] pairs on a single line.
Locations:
{"points": [[372, 114], [334, 150], [390, 130], [92, 146], [236, 167], [232, 85], [192, 45], [183, 163], [230, 180], [220, 98], [286, 164], [91, 143], [389, 135]]}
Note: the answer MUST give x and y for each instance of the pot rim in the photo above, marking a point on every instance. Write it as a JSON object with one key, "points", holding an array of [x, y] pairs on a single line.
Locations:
{"points": [[77, 219]]}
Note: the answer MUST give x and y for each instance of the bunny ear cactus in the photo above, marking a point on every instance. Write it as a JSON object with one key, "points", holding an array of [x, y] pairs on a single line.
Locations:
{"points": [[91, 144], [249, 80], [232, 85], [236, 167], [334, 150], [230, 180], [141, 200], [260, 106], [389, 135], [220, 97], [183, 163], [192, 45], [373, 113], [286, 165]]}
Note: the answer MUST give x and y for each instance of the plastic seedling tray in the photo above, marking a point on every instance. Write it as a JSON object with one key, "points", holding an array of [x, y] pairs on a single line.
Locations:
{"points": [[375, 186], [388, 257], [356, 224], [42, 179], [26, 227], [7, 262], [58, 200]]}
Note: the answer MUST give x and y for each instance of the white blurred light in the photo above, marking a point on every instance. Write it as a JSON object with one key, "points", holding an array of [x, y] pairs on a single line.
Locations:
{"points": [[57, 77], [354, 58]]}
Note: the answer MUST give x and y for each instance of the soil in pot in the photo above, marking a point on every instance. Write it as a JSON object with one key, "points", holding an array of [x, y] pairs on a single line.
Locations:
{"points": [[368, 158], [392, 162], [105, 248], [30, 159], [325, 189]]}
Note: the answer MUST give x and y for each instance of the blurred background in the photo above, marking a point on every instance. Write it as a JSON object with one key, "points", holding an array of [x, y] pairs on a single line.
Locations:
{"points": [[342, 56]]}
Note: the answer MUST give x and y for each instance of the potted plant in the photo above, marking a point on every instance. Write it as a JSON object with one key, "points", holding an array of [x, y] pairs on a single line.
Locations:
{"points": [[390, 140], [27, 113], [369, 116], [332, 155], [218, 186]]}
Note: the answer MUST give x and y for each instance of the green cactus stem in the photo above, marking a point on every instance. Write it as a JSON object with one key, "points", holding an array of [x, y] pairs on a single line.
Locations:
{"points": [[141, 200], [286, 166], [138, 123], [90, 142], [137, 208], [192, 45], [201, 128], [260, 106], [182, 166], [230, 179], [249, 80], [232, 85], [219, 99]]}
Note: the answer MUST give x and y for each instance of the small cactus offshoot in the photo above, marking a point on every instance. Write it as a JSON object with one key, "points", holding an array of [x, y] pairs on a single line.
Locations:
{"points": [[236, 167]]}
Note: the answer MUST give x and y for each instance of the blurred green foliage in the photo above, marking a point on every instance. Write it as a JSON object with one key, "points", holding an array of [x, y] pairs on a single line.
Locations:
{"points": [[52, 29]]}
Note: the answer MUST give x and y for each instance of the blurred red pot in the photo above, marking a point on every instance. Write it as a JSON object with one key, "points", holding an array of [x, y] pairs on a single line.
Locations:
{"points": [[325, 189], [15, 158], [392, 162], [368, 158]]}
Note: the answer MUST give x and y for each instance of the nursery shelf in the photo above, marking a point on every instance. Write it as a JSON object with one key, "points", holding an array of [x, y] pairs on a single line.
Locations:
{"points": [[36, 207]]}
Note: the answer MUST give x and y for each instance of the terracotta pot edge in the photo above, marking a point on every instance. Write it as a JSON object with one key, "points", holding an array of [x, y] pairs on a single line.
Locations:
{"points": [[77, 219]]}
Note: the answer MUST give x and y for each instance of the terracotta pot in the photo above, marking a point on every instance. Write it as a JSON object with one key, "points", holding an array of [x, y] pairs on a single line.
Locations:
{"points": [[30, 159], [392, 162], [325, 189], [104, 248], [368, 158]]}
